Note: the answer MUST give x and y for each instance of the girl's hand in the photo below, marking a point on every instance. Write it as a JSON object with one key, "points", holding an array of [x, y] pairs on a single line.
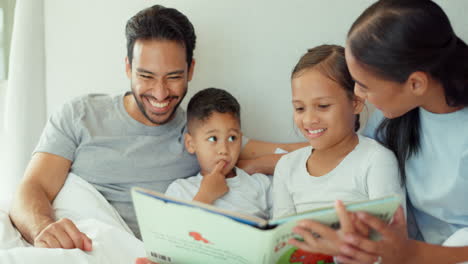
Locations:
{"points": [[212, 186], [393, 247], [323, 239]]}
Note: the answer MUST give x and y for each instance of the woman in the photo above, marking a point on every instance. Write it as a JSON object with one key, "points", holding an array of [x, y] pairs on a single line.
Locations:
{"points": [[406, 60]]}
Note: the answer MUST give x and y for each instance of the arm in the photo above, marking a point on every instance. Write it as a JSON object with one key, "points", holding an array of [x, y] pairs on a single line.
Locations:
{"points": [[395, 247], [258, 156], [283, 203], [32, 211]]}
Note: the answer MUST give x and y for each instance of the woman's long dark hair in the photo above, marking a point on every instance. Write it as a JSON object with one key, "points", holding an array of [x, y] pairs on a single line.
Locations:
{"points": [[395, 38]]}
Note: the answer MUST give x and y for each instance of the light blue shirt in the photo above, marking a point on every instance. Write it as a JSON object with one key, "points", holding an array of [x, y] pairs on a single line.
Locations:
{"points": [[437, 176]]}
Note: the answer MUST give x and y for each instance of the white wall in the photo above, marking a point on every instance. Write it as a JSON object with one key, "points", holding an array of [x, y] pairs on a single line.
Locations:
{"points": [[247, 47]]}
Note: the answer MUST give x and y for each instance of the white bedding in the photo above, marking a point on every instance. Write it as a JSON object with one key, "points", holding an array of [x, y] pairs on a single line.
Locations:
{"points": [[113, 242]]}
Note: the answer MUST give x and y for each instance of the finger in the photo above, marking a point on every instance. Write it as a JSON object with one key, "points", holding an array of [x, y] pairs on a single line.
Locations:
{"points": [[308, 237], [317, 228], [346, 225], [399, 217], [41, 244], [51, 242], [219, 167], [75, 235], [361, 228], [374, 223], [300, 244], [62, 237], [87, 242], [363, 244], [357, 254]]}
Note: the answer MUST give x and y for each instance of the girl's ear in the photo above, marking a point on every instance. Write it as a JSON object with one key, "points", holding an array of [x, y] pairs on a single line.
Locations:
{"points": [[358, 104], [189, 145]]}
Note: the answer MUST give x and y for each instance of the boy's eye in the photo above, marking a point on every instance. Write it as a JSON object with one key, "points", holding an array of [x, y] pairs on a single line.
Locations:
{"points": [[299, 109], [232, 138], [212, 139]]}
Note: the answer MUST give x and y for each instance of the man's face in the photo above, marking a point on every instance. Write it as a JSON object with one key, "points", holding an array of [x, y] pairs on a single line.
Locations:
{"points": [[217, 139], [159, 79]]}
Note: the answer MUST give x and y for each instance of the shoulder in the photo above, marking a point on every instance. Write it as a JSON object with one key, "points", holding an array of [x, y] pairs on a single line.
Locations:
{"points": [[374, 152], [295, 156]]}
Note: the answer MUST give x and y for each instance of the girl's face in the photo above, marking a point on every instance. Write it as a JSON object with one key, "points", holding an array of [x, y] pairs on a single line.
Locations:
{"points": [[392, 98], [323, 110]]}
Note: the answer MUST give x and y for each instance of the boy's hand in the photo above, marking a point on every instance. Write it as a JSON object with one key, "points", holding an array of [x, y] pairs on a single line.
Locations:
{"points": [[213, 186]]}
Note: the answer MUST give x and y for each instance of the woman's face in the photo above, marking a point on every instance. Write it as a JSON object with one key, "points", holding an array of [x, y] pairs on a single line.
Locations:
{"points": [[394, 99]]}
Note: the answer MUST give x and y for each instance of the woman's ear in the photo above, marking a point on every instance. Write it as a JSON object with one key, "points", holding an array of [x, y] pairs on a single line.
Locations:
{"points": [[417, 83], [189, 145], [358, 104]]}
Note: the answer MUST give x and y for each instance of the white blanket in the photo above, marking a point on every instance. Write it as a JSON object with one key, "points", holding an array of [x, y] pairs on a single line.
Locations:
{"points": [[113, 242]]}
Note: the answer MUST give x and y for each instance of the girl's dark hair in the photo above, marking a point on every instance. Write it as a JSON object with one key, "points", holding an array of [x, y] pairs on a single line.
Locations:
{"points": [[160, 23], [394, 38], [330, 61]]}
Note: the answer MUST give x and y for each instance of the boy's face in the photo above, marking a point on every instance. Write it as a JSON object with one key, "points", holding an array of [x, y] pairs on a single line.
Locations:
{"points": [[217, 139]]}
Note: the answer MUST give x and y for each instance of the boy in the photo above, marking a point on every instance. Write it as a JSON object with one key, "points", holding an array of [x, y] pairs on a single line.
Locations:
{"points": [[215, 137]]}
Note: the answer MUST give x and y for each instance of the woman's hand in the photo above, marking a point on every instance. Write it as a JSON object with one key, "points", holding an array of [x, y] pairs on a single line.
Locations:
{"points": [[323, 239], [393, 247]]}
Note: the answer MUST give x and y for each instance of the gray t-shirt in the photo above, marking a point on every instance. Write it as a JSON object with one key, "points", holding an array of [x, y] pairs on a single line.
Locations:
{"points": [[113, 151]]}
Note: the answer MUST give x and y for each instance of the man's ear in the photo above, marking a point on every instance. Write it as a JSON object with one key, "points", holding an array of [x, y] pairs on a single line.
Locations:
{"points": [[128, 68], [189, 145], [358, 104], [417, 83], [191, 69]]}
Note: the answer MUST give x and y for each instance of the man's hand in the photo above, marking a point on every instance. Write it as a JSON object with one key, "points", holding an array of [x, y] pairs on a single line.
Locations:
{"points": [[213, 186], [144, 261], [62, 234]]}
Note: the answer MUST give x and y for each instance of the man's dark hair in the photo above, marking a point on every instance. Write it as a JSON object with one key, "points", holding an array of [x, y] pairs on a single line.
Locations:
{"points": [[160, 23], [209, 100]]}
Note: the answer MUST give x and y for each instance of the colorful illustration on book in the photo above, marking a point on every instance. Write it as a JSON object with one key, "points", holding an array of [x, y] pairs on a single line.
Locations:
{"points": [[198, 237], [299, 256]]}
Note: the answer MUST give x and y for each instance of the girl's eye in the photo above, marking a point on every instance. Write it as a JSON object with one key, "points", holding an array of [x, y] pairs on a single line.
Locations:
{"points": [[212, 139], [232, 138], [324, 106]]}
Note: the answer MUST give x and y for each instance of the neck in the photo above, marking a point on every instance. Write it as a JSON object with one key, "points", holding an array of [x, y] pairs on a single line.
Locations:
{"points": [[435, 102], [340, 149]]}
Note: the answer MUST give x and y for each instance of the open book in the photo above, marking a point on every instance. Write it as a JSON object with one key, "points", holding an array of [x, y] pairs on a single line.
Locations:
{"points": [[178, 231]]}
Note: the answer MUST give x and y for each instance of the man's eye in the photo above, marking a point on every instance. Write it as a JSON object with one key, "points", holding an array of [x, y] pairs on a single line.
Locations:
{"points": [[212, 139], [174, 77], [232, 138], [145, 76]]}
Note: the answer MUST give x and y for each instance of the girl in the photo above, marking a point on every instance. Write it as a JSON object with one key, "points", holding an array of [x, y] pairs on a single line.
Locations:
{"points": [[408, 62], [338, 164]]}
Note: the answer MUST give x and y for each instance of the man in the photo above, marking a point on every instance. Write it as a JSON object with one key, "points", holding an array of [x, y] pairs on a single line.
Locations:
{"points": [[128, 140]]}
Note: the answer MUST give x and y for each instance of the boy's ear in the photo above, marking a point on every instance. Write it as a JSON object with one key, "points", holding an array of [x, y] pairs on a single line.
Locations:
{"points": [[358, 104], [189, 143]]}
